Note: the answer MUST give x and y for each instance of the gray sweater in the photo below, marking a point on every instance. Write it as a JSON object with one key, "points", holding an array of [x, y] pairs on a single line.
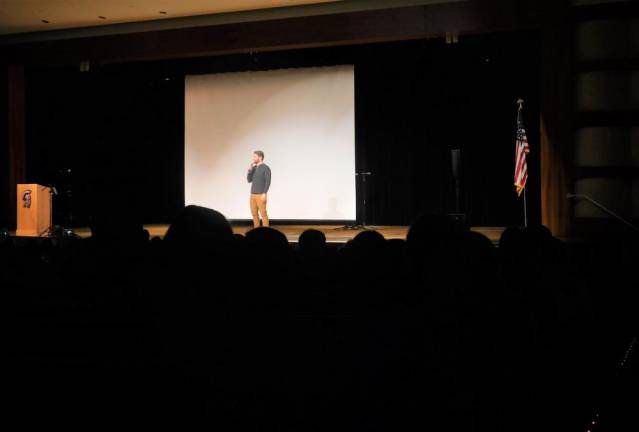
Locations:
{"points": [[260, 177]]}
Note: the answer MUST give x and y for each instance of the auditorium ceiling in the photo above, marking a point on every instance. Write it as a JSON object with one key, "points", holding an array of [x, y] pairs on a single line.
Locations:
{"points": [[22, 16]]}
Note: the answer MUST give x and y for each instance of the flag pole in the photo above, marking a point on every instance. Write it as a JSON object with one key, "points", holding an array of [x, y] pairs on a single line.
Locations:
{"points": [[525, 211], [521, 107]]}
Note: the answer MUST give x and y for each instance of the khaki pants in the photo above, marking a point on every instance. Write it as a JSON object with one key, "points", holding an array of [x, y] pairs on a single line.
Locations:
{"points": [[258, 204]]}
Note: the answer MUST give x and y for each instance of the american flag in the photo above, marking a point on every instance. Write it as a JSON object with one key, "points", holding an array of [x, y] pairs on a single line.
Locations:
{"points": [[521, 149]]}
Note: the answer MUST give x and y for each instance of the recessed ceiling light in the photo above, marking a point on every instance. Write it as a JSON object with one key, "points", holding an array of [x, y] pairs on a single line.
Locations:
{"points": [[45, 21]]}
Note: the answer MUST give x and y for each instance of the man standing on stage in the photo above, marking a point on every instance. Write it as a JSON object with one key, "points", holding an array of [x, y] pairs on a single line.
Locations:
{"points": [[259, 174]]}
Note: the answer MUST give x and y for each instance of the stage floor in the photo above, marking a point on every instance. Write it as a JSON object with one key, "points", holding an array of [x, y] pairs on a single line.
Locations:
{"points": [[334, 233]]}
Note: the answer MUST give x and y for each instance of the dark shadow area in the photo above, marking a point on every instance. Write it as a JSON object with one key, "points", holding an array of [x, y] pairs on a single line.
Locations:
{"points": [[443, 331]]}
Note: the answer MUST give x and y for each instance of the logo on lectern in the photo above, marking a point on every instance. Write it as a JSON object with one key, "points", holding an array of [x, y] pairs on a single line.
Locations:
{"points": [[26, 199]]}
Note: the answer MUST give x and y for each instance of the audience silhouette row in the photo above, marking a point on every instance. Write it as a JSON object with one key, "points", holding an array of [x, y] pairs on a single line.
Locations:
{"points": [[443, 331]]}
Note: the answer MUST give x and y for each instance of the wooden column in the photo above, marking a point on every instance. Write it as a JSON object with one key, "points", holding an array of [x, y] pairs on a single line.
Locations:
{"points": [[16, 149], [4, 149]]}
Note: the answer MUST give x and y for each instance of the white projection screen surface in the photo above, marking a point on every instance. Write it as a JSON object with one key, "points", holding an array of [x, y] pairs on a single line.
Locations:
{"points": [[304, 122]]}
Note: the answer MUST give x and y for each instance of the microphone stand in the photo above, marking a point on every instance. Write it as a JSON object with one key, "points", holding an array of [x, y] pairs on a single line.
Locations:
{"points": [[66, 176], [50, 231]]}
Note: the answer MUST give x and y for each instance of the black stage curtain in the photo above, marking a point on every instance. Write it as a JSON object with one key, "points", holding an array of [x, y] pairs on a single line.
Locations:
{"points": [[120, 128]]}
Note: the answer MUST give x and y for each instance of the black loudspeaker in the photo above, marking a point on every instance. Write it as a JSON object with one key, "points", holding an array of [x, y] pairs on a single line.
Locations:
{"points": [[455, 158]]}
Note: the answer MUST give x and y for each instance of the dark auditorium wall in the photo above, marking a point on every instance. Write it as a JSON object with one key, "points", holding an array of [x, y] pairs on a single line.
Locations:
{"points": [[120, 128]]}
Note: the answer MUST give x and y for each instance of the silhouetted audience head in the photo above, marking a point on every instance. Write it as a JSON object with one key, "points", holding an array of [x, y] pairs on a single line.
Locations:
{"points": [[432, 235], [114, 228], [199, 227], [116, 218], [312, 241], [396, 250], [510, 239], [267, 244], [478, 247], [479, 254], [368, 243]]}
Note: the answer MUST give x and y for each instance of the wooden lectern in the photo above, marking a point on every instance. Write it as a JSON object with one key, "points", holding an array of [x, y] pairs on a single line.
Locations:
{"points": [[34, 210]]}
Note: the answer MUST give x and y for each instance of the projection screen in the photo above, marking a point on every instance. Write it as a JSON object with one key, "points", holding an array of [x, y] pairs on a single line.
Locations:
{"points": [[304, 122]]}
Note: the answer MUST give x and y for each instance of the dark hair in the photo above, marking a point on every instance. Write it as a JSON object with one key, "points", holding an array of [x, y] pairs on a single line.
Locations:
{"points": [[260, 153]]}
